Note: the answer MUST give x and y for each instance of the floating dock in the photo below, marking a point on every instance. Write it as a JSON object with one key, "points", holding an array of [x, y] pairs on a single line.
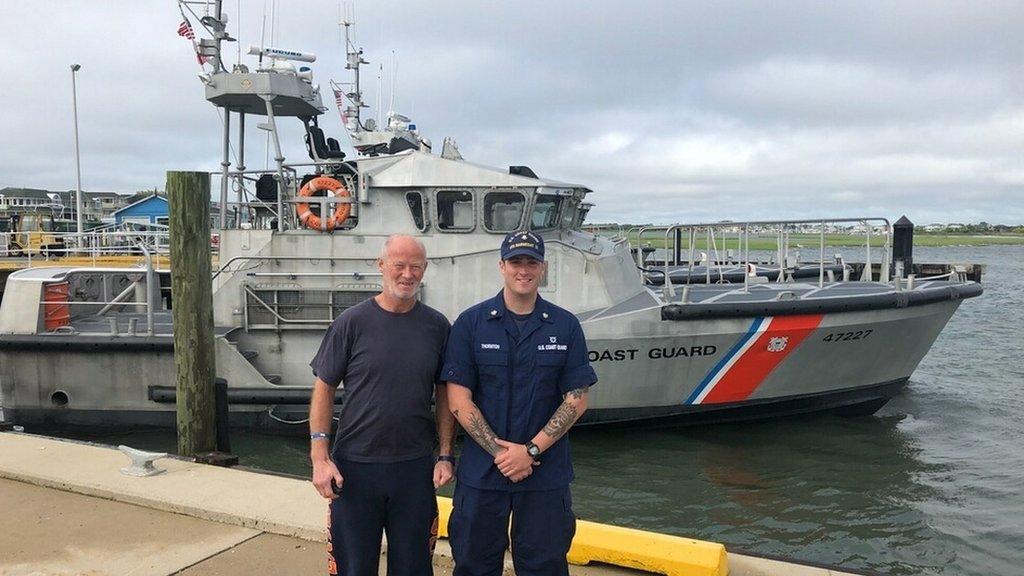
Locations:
{"points": [[67, 509]]}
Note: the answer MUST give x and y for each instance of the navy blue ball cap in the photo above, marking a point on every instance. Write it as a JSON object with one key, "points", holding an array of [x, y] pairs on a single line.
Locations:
{"points": [[523, 243]]}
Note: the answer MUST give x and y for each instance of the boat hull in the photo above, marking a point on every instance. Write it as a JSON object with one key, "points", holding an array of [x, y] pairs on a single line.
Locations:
{"points": [[649, 369]]}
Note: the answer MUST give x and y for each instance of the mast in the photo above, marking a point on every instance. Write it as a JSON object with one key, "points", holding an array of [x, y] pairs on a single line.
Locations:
{"points": [[211, 51], [374, 136], [276, 91], [353, 60]]}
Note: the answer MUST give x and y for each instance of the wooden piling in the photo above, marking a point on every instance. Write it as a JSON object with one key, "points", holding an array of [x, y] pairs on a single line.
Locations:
{"points": [[188, 195]]}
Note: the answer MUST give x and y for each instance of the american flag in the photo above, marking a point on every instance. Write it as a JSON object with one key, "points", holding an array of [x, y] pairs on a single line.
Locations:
{"points": [[339, 99], [185, 29]]}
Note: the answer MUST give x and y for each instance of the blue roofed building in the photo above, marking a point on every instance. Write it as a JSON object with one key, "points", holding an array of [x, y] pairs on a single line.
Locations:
{"points": [[149, 210]]}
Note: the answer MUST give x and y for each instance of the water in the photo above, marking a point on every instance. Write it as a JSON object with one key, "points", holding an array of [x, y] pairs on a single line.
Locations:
{"points": [[930, 485]]}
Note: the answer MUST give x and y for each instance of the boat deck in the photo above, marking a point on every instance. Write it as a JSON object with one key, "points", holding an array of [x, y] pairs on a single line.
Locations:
{"points": [[706, 299], [735, 300], [105, 324]]}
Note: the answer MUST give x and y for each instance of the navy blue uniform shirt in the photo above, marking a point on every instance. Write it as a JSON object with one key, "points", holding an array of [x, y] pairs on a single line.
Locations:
{"points": [[518, 378]]}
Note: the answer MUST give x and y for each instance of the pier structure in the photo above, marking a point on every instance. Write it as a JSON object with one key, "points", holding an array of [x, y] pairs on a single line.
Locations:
{"points": [[75, 512]]}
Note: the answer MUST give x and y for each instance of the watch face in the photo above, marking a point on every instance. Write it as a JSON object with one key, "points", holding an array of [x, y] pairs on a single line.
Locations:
{"points": [[533, 450]]}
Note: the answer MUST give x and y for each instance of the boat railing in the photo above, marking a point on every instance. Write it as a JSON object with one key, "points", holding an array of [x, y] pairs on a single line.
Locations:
{"points": [[246, 199], [680, 238], [287, 194], [144, 278], [604, 229], [93, 245]]}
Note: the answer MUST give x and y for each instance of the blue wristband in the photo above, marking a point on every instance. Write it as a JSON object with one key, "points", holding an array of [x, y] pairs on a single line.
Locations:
{"points": [[319, 436]]}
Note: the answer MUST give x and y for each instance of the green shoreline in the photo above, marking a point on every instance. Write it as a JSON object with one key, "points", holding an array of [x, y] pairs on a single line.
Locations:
{"points": [[810, 241]]}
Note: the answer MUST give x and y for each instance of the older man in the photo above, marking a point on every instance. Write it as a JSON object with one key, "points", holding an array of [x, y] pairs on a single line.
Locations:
{"points": [[382, 472]]}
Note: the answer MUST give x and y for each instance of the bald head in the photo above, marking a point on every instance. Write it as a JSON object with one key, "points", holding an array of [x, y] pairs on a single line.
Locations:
{"points": [[401, 246]]}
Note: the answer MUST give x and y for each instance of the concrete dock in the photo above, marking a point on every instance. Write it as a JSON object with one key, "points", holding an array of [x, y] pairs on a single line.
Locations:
{"points": [[68, 510]]}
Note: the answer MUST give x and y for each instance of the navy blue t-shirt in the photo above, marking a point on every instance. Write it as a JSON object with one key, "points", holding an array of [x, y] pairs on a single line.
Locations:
{"points": [[518, 378], [389, 364]]}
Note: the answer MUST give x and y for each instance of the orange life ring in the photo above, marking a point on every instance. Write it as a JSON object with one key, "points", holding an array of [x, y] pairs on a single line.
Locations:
{"points": [[341, 211]]}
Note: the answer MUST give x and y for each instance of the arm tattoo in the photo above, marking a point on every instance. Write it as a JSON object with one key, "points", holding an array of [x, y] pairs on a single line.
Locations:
{"points": [[561, 421], [566, 415], [480, 431]]}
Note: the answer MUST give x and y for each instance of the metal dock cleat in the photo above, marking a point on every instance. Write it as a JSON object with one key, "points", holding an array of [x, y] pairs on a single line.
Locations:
{"points": [[142, 462]]}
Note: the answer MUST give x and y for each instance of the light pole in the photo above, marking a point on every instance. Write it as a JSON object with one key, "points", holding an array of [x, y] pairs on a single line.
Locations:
{"points": [[79, 205]]}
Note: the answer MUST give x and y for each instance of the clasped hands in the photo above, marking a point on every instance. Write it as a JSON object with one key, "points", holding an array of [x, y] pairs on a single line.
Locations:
{"points": [[513, 460]]}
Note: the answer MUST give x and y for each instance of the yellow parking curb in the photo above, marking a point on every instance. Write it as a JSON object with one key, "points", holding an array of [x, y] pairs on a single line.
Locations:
{"points": [[444, 509], [649, 551]]}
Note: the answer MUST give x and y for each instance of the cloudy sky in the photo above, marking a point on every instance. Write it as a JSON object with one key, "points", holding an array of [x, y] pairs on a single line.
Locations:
{"points": [[668, 111]]}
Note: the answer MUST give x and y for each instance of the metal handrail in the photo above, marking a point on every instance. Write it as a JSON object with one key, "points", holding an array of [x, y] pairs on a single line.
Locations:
{"points": [[260, 301], [596, 228], [151, 291], [93, 243], [744, 239], [232, 260]]}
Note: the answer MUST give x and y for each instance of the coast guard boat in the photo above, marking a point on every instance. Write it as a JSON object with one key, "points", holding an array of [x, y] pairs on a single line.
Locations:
{"points": [[687, 339]]}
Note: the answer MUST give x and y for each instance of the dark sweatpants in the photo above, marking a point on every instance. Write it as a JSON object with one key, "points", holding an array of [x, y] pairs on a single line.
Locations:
{"points": [[543, 525], [396, 498]]}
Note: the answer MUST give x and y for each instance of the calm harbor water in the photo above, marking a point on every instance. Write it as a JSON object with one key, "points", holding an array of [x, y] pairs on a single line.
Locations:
{"points": [[932, 484]]}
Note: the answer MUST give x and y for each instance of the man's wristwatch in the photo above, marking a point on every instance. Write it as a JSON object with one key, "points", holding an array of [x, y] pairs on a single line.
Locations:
{"points": [[533, 450], [446, 458]]}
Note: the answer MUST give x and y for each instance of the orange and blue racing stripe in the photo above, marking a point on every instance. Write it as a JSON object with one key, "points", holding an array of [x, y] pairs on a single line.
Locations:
{"points": [[764, 346]]}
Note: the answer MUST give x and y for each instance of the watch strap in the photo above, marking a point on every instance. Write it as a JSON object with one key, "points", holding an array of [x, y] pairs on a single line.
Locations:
{"points": [[533, 450]]}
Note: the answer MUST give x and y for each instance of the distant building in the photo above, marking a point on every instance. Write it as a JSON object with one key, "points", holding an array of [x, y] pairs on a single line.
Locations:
{"points": [[96, 205], [19, 200], [103, 204], [149, 210]]}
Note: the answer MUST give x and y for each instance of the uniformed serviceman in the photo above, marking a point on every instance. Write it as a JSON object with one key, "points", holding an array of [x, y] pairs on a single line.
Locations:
{"points": [[518, 377], [382, 473]]}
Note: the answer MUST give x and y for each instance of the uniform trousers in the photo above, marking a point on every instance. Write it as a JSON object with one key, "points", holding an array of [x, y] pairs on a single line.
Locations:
{"points": [[543, 525], [394, 498]]}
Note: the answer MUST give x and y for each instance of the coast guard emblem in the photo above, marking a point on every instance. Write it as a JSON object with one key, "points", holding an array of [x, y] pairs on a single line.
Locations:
{"points": [[778, 344], [554, 339]]}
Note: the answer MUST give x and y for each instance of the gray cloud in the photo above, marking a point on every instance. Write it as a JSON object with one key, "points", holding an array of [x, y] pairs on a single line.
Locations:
{"points": [[667, 110]]}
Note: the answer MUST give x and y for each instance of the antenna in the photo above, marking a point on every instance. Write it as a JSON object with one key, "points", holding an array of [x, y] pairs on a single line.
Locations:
{"points": [[380, 92], [238, 44], [263, 34], [273, 22], [394, 77]]}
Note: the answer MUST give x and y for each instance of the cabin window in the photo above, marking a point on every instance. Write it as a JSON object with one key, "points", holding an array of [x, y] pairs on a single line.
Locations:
{"points": [[415, 202], [568, 214], [503, 211], [455, 210], [545, 212], [581, 214]]}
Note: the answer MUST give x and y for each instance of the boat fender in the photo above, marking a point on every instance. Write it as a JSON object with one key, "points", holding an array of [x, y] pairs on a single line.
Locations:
{"points": [[341, 211]]}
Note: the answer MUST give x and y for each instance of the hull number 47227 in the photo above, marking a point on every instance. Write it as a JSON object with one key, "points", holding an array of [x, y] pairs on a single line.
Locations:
{"points": [[844, 336]]}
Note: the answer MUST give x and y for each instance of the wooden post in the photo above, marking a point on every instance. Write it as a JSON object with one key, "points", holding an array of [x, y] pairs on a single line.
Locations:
{"points": [[188, 195]]}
